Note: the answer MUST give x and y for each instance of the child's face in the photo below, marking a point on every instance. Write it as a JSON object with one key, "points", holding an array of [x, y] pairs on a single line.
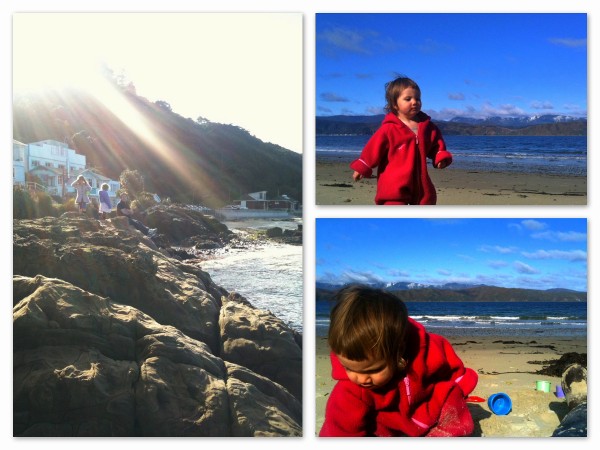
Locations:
{"points": [[408, 103], [369, 373]]}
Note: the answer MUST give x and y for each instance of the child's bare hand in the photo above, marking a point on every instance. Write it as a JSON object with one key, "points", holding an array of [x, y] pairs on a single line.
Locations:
{"points": [[442, 165], [357, 176]]}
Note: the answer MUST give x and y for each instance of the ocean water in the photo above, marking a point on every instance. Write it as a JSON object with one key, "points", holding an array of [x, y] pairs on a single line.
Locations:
{"points": [[556, 155], [472, 319], [268, 275]]}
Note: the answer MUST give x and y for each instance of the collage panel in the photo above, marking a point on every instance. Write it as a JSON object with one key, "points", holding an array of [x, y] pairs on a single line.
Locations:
{"points": [[161, 241], [451, 327], [157, 225], [459, 114]]}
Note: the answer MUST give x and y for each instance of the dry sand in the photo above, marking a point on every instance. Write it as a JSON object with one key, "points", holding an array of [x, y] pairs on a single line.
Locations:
{"points": [[334, 186], [503, 366]]}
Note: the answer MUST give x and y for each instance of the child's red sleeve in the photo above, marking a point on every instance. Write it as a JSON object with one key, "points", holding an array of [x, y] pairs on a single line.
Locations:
{"points": [[438, 151], [372, 154], [346, 413]]}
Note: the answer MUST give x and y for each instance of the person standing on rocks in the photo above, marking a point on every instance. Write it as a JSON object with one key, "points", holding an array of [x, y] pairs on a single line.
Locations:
{"points": [[82, 187], [124, 209], [105, 204]]}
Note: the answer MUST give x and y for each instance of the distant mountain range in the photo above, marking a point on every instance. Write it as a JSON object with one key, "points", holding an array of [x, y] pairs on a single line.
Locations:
{"points": [[458, 292], [537, 125]]}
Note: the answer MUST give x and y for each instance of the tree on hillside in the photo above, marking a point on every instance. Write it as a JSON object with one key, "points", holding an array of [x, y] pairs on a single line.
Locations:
{"points": [[132, 182], [163, 105]]}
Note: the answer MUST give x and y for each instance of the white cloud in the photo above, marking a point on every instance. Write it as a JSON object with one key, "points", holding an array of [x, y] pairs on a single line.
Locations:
{"points": [[569, 42], [542, 105], [570, 236], [497, 249], [531, 224], [350, 276], [573, 255], [345, 39], [456, 96], [524, 268], [332, 97], [497, 264], [397, 273]]}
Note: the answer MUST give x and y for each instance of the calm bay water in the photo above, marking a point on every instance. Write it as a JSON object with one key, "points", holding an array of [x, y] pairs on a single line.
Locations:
{"points": [[269, 275], [472, 319], [556, 155]]}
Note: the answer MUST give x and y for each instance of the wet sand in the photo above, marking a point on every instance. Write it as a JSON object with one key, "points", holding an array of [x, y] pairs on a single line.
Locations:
{"points": [[334, 186]]}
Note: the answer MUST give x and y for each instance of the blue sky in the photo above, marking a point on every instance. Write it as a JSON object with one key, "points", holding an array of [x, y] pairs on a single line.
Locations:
{"points": [[521, 253], [477, 65]]}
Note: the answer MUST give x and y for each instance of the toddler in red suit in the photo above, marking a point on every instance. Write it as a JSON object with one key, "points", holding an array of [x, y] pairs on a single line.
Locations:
{"points": [[400, 148], [393, 377]]}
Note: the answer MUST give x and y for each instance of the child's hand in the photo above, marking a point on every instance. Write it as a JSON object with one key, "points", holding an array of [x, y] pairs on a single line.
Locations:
{"points": [[357, 176], [442, 164]]}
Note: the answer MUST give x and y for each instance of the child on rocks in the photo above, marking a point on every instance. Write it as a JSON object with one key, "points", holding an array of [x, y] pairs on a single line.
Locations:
{"points": [[82, 187], [393, 377], [124, 209], [400, 148], [105, 204]]}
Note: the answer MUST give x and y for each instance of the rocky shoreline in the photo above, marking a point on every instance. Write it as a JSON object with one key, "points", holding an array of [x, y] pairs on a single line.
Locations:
{"points": [[114, 334]]}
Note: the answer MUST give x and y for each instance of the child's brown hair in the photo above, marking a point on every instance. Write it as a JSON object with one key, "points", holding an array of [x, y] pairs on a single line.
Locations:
{"points": [[368, 323], [394, 88]]}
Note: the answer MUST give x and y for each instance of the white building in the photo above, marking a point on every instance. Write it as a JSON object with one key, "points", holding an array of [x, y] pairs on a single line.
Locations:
{"points": [[56, 165], [19, 150], [50, 153]]}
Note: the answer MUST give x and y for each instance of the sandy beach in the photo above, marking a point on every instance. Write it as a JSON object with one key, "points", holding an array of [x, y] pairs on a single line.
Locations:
{"points": [[503, 366], [334, 186]]}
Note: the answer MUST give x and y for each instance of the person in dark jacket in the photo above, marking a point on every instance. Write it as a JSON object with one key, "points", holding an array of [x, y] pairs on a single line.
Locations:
{"points": [[124, 209]]}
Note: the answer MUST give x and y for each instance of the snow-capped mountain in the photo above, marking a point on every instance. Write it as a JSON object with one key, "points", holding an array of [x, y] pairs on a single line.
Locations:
{"points": [[403, 286], [518, 121]]}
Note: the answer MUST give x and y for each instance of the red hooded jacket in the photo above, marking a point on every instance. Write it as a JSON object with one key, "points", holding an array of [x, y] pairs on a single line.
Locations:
{"points": [[401, 158], [427, 399]]}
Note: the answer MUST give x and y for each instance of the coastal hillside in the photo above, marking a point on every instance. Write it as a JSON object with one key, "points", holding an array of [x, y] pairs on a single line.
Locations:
{"points": [[188, 160], [542, 126], [474, 294]]}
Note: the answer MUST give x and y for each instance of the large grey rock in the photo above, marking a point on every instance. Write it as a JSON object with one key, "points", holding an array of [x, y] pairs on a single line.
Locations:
{"points": [[121, 264], [112, 337], [86, 366], [178, 224], [261, 407], [258, 340]]}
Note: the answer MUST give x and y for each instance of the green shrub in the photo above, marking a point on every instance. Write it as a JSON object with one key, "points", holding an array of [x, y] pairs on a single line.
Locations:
{"points": [[44, 205], [143, 201], [23, 205], [67, 206]]}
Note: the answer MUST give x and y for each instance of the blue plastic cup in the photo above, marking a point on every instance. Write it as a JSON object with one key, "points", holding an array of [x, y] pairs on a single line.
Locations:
{"points": [[500, 403]]}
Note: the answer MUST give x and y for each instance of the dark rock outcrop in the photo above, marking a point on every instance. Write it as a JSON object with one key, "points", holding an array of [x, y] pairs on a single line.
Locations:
{"points": [[273, 350], [112, 337]]}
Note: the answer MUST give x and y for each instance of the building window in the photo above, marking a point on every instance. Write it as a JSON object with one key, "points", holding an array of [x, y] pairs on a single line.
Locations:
{"points": [[58, 151], [35, 162]]}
